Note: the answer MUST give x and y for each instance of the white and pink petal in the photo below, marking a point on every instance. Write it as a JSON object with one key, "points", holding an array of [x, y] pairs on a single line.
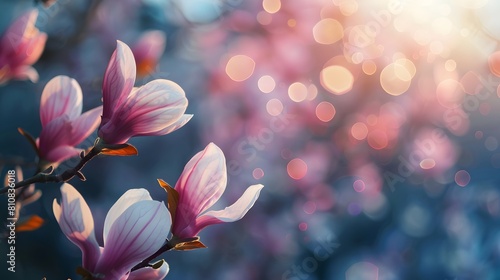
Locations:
{"points": [[119, 79], [130, 197], [173, 127], [154, 106], [230, 214], [61, 153], [149, 273], [202, 181], [136, 234], [76, 222], [85, 124], [15, 34], [61, 96]]}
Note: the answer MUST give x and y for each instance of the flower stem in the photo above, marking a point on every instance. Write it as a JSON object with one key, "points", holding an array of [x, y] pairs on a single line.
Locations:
{"points": [[63, 177], [160, 251]]}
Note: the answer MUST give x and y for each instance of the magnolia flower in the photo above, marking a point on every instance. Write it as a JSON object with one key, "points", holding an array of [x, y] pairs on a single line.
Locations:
{"points": [[156, 108], [63, 124], [20, 46], [148, 50], [135, 227], [200, 186]]}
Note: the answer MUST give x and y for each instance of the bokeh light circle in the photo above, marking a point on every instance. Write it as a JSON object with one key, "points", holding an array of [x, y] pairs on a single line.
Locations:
{"points": [[328, 31], [395, 79], [359, 131], [274, 107], [336, 79], [359, 185], [296, 168], [240, 67], [462, 178], [266, 84], [325, 111], [258, 173], [297, 92], [377, 139]]}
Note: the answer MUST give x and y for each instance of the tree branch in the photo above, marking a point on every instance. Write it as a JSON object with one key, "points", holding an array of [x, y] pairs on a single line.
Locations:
{"points": [[63, 177]]}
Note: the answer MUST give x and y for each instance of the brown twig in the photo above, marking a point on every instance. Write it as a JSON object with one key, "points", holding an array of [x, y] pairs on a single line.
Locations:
{"points": [[63, 177], [145, 263]]}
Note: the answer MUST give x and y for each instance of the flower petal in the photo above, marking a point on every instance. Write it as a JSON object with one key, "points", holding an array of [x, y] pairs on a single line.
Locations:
{"points": [[56, 133], [125, 201], [154, 106], [85, 124], [76, 222], [232, 213], [61, 96], [26, 73], [149, 273], [35, 47], [15, 34], [119, 79], [148, 110], [200, 185], [136, 234], [61, 153], [173, 127]]}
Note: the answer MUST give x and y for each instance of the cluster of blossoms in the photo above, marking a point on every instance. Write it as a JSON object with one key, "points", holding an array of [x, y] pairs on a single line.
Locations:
{"points": [[137, 229], [20, 47]]}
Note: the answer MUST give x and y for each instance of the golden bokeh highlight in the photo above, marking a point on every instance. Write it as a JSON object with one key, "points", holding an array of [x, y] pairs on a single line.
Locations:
{"points": [[325, 111], [395, 79], [336, 79], [328, 31], [296, 168], [292, 22], [348, 7], [297, 92], [240, 67], [274, 107], [271, 6], [450, 65], [409, 66], [266, 84], [359, 131], [369, 67]]}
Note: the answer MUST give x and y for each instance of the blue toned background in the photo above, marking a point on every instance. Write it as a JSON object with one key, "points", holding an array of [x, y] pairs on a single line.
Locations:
{"points": [[373, 125]]}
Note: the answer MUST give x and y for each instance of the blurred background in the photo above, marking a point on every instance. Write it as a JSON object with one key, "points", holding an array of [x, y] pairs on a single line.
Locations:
{"points": [[373, 125]]}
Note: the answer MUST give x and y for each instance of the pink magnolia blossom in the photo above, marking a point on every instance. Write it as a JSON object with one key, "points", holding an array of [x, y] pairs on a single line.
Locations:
{"points": [[156, 108], [200, 186], [135, 227], [148, 50], [63, 124], [20, 46]]}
